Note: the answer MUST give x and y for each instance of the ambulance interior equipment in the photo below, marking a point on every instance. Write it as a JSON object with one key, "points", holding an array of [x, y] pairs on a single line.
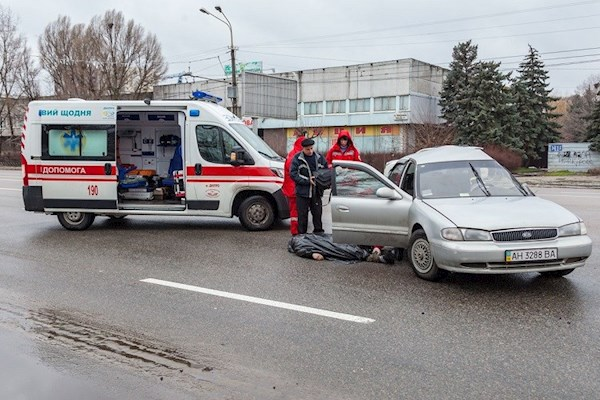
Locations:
{"points": [[149, 157]]}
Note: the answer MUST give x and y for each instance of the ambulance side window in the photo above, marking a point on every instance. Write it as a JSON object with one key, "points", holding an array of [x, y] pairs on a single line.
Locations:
{"points": [[214, 143], [78, 142]]}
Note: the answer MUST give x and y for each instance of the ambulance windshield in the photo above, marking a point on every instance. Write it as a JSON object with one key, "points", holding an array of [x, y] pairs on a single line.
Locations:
{"points": [[255, 141]]}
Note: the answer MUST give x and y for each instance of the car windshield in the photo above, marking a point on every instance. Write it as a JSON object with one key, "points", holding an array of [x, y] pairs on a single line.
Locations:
{"points": [[482, 178], [255, 141]]}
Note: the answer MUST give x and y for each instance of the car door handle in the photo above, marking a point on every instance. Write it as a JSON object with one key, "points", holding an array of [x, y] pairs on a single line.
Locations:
{"points": [[107, 168], [343, 209], [198, 169]]}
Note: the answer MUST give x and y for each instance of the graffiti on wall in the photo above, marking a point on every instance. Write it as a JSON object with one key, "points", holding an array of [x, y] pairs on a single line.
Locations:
{"points": [[571, 157], [368, 139], [576, 158]]}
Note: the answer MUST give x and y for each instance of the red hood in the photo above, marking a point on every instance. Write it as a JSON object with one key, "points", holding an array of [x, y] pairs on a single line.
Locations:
{"points": [[298, 145], [346, 134]]}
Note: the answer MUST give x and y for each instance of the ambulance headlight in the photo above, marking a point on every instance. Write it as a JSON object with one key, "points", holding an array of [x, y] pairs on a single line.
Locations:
{"points": [[277, 172]]}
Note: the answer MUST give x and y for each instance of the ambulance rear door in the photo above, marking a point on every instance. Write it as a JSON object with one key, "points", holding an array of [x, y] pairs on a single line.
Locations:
{"points": [[78, 165]]}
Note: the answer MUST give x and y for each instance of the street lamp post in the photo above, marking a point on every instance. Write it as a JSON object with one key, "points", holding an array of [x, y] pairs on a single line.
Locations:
{"points": [[232, 47]]}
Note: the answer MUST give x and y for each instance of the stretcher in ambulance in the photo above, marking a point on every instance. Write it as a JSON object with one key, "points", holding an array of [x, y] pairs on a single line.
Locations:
{"points": [[83, 159]]}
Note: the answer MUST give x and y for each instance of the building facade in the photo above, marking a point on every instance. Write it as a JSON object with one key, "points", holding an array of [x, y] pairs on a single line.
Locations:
{"points": [[378, 103]]}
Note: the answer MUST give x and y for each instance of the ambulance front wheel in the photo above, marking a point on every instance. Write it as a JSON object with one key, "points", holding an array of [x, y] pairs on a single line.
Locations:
{"points": [[75, 221], [256, 213]]}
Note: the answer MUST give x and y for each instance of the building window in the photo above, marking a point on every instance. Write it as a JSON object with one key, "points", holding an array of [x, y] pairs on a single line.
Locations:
{"points": [[313, 107], [403, 106], [360, 105], [387, 103], [335, 107]]}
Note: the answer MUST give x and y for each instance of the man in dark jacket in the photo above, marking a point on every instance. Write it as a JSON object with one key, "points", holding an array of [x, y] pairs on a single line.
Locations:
{"points": [[304, 165]]}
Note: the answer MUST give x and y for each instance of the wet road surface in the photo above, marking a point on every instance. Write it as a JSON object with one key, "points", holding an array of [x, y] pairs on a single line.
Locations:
{"points": [[75, 308]]}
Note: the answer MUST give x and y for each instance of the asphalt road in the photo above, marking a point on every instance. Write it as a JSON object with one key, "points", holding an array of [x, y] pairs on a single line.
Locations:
{"points": [[89, 313]]}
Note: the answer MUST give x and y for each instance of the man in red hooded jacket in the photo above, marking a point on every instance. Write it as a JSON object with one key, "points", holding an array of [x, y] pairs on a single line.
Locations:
{"points": [[289, 187], [343, 149]]}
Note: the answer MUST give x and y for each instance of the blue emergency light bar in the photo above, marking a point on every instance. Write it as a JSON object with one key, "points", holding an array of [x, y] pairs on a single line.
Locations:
{"points": [[200, 95]]}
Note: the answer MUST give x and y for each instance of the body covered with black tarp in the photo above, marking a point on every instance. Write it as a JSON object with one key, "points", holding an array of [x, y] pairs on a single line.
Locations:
{"points": [[306, 245]]}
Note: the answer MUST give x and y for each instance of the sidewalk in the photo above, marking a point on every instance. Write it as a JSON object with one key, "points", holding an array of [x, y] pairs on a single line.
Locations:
{"points": [[574, 181]]}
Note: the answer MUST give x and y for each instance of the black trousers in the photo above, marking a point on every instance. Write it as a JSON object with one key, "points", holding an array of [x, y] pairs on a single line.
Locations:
{"points": [[316, 209]]}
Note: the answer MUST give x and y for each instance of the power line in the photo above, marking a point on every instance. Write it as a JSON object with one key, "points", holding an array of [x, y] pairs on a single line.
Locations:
{"points": [[298, 44], [420, 24]]}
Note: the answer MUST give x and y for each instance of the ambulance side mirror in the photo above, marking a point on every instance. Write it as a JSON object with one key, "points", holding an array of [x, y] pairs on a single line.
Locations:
{"points": [[239, 157]]}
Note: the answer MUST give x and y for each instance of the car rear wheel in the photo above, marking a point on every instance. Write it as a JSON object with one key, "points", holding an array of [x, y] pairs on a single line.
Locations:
{"points": [[557, 274], [75, 221], [256, 213], [421, 258]]}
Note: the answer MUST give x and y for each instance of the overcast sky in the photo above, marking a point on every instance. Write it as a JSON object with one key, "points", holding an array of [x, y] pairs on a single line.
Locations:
{"points": [[304, 34]]}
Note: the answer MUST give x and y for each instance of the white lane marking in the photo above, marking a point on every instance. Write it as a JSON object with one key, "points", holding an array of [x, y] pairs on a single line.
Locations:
{"points": [[258, 300], [16, 190]]}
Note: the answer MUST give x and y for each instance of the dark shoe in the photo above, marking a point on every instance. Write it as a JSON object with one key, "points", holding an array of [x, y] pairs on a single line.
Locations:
{"points": [[388, 257]]}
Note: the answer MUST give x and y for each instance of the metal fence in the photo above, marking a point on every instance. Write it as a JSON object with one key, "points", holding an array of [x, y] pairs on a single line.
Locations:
{"points": [[10, 152]]}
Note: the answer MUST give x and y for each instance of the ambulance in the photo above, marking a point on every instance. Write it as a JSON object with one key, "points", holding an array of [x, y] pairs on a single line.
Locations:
{"points": [[82, 159]]}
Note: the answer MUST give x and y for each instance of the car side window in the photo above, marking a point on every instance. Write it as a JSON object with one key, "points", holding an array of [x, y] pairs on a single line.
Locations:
{"points": [[408, 181], [352, 182], [215, 144], [396, 173]]}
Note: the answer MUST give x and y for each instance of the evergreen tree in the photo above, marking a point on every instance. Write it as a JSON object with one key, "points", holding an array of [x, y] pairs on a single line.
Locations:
{"points": [[453, 97], [537, 123], [476, 102], [594, 125], [490, 117]]}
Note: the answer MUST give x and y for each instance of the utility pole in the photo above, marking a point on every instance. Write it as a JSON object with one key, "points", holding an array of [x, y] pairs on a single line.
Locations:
{"points": [[234, 92]]}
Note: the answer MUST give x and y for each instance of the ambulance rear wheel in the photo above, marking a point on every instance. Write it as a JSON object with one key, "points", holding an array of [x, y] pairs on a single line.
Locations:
{"points": [[75, 221], [256, 213]]}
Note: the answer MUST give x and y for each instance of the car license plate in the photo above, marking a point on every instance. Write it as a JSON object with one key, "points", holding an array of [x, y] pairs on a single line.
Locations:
{"points": [[530, 255]]}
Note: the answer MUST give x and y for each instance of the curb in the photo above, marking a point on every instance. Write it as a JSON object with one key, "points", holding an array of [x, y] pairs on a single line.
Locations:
{"points": [[591, 182]]}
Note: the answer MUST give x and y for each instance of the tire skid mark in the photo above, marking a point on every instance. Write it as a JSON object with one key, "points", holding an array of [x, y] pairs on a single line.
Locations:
{"points": [[59, 328]]}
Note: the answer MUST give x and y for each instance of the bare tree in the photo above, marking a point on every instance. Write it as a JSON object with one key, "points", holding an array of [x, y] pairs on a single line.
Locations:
{"points": [[579, 107], [110, 57], [427, 129], [18, 76], [68, 56], [431, 135]]}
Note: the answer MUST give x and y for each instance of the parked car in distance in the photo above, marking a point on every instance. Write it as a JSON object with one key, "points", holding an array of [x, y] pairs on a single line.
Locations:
{"points": [[456, 209]]}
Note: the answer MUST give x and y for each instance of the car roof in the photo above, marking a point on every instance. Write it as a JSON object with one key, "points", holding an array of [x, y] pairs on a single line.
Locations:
{"points": [[448, 153]]}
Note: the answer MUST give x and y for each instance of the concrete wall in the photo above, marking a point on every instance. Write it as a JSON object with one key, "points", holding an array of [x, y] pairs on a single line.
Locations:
{"points": [[572, 157]]}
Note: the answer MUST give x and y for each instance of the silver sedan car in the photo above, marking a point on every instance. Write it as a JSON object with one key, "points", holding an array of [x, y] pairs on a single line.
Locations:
{"points": [[456, 209]]}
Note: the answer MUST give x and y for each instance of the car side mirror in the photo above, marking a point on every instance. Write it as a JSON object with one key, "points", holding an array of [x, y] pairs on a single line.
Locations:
{"points": [[387, 193]]}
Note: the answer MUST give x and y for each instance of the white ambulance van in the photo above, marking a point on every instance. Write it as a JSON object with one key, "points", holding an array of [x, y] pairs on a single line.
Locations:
{"points": [[116, 158]]}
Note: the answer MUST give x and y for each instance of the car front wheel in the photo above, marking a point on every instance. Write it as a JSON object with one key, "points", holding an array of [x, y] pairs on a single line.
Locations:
{"points": [[421, 258]]}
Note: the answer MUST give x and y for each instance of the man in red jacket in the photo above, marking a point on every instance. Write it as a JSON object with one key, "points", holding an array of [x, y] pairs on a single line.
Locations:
{"points": [[289, 187], [343, 149]]}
